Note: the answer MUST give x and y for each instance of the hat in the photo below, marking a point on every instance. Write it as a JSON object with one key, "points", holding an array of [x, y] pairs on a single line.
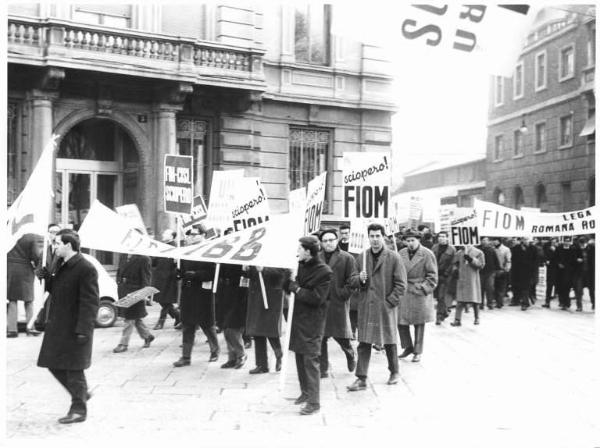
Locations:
{"points": [[328, 230], [567, 239], [309, 241], [412, 233]]}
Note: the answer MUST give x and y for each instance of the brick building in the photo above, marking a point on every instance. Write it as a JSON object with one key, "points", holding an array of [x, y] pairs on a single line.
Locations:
{"points": [[541, 126], [270, 90]]}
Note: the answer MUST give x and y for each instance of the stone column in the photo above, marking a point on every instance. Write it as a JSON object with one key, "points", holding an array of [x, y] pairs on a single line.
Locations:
{"points": [[165, 144], [41, 120]]}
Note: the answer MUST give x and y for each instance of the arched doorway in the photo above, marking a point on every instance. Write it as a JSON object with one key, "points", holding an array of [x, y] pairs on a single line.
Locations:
{"points": [[96, 159]]}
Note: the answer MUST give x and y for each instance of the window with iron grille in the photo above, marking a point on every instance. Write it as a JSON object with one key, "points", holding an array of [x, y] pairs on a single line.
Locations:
{"points": [[309, 152]]}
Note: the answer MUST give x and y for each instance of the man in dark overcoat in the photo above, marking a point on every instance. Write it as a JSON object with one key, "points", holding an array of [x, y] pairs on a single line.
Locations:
{"points": [[345, 278], [487, 274], [67, 345], [444, 255], [231, 297], [164, 278], [261, 323], [590, 278], [196, 304], [311, 289], [382, 283], [22, 260], [416, 305], [522, 273], [134, 273], [550, 260], [565, 261]]}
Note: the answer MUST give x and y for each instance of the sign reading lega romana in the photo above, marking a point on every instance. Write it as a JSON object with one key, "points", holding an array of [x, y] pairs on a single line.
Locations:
{"points": [[179, 183], [367, 178]]}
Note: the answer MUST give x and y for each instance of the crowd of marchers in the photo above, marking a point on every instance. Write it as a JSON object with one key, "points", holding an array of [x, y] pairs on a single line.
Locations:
{"points": [[372, 298]]}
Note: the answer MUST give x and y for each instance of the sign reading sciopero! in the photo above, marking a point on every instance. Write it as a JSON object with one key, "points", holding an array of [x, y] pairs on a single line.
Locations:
{"points": [[367, 178], [179, 183]]}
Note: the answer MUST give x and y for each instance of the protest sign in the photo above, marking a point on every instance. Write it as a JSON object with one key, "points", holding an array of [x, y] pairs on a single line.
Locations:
{"points": [[132, 214], [199, 212], [415, 210], [222, 195], [446, 214], [136, 296], [358, 236], [250, 205], [297, 200], [496, 220], [366, 183], [463, 227], [315, 195], [178, 187]]}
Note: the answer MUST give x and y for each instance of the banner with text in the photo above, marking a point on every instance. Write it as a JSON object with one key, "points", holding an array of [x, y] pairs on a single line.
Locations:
{"points": [[496, 220], [366, 182], [222, 195], [199, 213], [132, 214], [250, 205], [315, 196], [463, 227], [179, 184]]}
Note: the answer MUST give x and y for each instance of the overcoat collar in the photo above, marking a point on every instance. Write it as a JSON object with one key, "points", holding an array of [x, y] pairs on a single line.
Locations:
{"points": [[380, 260], [418, 256], [72, 261], [334, 259]]}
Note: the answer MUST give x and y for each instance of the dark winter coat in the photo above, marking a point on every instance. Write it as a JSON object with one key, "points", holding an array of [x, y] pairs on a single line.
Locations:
{"points": [[310, 306], [259, 321], [231, 297], [21, 261], [73, 308], [196, 293], [380, 297], [492, 263], [524, 266], [416, 305], [345, 277], [164, 278], [444, 259], [133, 274]]}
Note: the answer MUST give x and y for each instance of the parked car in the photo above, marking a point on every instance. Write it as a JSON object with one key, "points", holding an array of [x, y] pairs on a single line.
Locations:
{"points": [[107, 288]]}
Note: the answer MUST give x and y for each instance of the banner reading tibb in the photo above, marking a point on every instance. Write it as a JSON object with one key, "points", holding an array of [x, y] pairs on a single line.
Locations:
{"points": [[367, 178]]}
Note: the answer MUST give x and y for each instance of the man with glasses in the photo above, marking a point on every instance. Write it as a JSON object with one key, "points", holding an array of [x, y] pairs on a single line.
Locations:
{"points": [[344, 240], [345, 277]]}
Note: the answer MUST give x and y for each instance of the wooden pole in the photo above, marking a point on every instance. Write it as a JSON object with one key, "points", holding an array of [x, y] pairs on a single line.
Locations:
{"points": [[42, 283], [286, 343], [213, 306], [178, 239], [263, 290]]}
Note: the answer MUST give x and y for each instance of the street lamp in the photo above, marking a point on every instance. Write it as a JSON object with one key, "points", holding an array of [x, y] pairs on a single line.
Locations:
{"points": [[523, 128]]}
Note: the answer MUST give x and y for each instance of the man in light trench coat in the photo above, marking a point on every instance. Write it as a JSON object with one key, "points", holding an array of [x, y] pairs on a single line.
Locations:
{"points": [[382, 283], [416, 306]]}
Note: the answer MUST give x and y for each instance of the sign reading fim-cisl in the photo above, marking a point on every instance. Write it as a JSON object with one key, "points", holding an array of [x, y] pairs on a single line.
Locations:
{"points": [[178, 184], [367, 178]]}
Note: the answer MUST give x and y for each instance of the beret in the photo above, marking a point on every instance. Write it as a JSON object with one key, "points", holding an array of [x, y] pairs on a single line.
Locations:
{"points": [[411, 233], [309, 241]]}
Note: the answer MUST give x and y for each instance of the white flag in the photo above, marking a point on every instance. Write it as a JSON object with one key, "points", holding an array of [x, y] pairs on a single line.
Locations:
{"points": [[30, 211]]}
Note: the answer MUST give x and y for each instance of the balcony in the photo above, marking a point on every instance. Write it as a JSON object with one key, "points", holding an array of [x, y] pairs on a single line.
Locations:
{"points": [[61, 43]]}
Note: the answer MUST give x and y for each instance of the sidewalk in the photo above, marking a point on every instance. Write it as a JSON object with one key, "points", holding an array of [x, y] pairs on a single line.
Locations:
{"points": [[518, 379]]}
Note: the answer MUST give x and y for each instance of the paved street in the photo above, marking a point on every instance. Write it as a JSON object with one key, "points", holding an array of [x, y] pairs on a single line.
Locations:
{"points": [[519, 379]]}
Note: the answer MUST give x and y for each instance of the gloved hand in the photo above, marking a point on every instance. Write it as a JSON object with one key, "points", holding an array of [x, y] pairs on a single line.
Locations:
{"points": [[81, 339], [292, 286], [41, 273], [178, 274], [468, 258]]}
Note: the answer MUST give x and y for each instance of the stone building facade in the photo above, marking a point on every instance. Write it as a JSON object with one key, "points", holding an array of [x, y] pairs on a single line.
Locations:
{"points": [[541, 127], [269, 90]]}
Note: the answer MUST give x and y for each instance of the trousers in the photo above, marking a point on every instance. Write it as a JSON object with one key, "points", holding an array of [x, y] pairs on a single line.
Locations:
{"points": [[189, 334], [353, 322], [364, 358], [260, 350], [12, 314], [139, 325], [500, 286], [459, 309], [76, 385], [235, 343], [343, 343], [407, 342], [444, 299], [168, 309], [488, 294], [309, 377]]}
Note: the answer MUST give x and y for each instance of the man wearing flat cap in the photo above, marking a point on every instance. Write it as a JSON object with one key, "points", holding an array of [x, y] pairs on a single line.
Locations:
{"points": [[345, 278], [308, 321], [382, 284], [416, 306]]}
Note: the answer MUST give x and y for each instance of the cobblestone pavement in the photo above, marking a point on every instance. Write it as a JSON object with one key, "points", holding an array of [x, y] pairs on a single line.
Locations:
{"points": [[518, 379]]}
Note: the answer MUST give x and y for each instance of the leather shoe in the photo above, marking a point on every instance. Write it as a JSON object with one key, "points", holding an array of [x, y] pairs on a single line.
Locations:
{"points": [[438, 322], [71, 418], [178, 326], [259, 369], [12, 334], [394, 377], [357, 385], [324, 374], [310, 408], [476, 322], [301, 399], [406, 352], [213, 357], [120, 348], [148, 341], [228, 365], [182, 362], [416, 357], [239, 363], [351, 363], [546, 305], [456, 323], [33, 333]]}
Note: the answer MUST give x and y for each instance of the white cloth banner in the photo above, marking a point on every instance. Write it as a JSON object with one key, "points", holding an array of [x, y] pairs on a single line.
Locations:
{"points": [[366, 183], [496, 220], [315, 196], [250, 205], [30, 211], [132, 214], [266, 244]]}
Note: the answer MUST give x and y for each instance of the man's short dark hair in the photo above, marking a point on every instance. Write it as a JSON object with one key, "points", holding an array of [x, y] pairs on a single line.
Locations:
{"points": [[442, 232], [375, 227], [326, 231], [311, 243], [53, 225], [70, 236], [344, 227]]}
